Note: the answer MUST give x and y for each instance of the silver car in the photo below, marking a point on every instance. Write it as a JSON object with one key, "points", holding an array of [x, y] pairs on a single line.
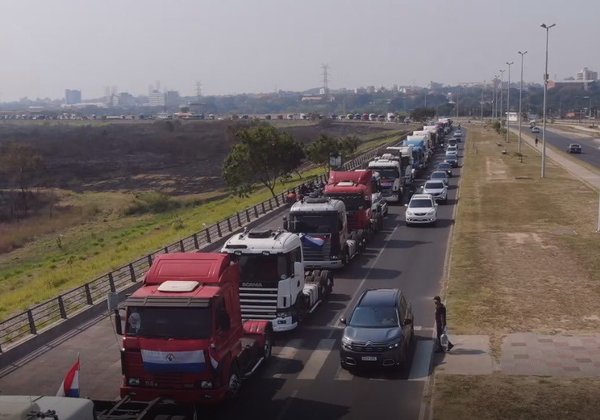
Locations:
{"points": [[438, 190]]}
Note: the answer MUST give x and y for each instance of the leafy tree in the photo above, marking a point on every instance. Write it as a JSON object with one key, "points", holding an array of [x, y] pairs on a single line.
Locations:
{"points": [[22, 164], [319, 151], [263, 155], [348, 145], [422, 114]]}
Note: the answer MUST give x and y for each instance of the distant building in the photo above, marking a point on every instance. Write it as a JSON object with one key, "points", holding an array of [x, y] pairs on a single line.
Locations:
{"points": [[584, 84], [172, 99], [126, 99], [72, 96], [156, 98], [586, 75]]}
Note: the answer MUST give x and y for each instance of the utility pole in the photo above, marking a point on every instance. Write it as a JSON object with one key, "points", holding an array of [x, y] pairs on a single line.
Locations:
{"points": [[481, 102], [325, 67], [500, 114], [522, 54], [508, 103], [547, 28]]}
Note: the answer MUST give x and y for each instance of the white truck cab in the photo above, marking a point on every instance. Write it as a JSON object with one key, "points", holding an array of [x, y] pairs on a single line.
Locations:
{"points": [[389, 169]]}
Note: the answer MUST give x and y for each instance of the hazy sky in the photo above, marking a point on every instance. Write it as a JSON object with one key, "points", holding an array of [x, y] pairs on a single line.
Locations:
{"points": [[235, 46]]}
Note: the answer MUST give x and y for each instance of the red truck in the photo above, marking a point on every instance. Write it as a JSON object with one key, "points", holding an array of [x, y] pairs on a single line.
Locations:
{"points": [[184, 339], [355, 189]]}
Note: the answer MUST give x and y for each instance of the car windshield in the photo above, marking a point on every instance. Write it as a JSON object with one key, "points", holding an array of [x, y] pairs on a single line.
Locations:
{"points": [[443, 166], [438, 175], [420, 203], [434, 185], [169, 322], [374, 317]]}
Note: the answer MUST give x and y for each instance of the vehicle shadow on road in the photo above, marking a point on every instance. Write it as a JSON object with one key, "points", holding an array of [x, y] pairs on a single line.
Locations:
{"points": [[400, 244]]}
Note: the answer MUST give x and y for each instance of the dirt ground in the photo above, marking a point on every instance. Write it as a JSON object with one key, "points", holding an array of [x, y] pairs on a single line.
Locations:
{"points": [[174, 157]]}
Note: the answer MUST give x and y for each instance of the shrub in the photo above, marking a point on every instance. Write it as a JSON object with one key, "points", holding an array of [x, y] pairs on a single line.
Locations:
{"points": [[151, 202]]}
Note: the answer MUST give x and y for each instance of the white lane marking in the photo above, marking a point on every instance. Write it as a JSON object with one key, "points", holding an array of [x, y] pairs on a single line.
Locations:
{"points": [[288, 353], [419, 370], [362, 283], [418, 327], [317, 359], [343, 375]]}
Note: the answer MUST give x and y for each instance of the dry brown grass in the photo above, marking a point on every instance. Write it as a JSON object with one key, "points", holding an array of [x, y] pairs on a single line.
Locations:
{"points": [[515, 397], [525, 250]]}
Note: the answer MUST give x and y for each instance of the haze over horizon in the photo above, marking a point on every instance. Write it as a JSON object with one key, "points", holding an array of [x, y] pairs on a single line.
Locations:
{"points": [[239, 46]]}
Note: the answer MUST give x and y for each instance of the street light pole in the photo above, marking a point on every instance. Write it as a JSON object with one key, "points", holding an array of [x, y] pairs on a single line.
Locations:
{"points": [[508, 102], [482, 88], [500, 114], [495, 100], [522, 54], [547, 28]]}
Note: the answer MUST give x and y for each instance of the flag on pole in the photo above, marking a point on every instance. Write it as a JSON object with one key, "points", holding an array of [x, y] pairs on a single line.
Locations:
{"points": [[70, 385], [312, 241]]}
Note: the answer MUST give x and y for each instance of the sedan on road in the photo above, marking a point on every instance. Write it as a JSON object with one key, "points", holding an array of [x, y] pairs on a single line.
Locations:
{"points": [[452, 160], [379, 331], [421, 209], [438, 190], [574, 148], [439, 176], [446, 167]]}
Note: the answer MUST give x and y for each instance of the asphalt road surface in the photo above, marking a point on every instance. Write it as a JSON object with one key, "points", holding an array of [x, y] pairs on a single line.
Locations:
{"points": [[303, 379], [590, 145]]}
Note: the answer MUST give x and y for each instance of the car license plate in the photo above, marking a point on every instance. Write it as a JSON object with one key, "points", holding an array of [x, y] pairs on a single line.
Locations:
{"points": [[369, 358]]}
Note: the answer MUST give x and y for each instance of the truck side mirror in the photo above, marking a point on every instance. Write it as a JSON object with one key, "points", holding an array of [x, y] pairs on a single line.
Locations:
{"points": [[286, 223], [118, 323]]}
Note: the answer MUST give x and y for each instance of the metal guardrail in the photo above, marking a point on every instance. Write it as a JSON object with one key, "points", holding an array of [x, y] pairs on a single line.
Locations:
{"points": [[47, 314]]}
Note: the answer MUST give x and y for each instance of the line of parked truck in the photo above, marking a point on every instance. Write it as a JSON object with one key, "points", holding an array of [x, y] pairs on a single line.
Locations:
{"points": [[203, 322]]}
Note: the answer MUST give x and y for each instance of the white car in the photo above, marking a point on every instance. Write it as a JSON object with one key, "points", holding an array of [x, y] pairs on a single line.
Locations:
{"points": [[439, 176], [438, 190], [421, 209], [535, 129], [452, 148]]}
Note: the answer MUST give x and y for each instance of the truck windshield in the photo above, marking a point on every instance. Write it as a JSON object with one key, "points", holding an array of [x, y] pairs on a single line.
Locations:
{"points": [[388, 173], [353, 202], [313, 223], [169, 322], [258, 270]]}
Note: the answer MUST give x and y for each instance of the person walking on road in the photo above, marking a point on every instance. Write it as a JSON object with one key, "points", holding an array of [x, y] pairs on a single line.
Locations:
{"points": [[440, 324], [536, 141]]}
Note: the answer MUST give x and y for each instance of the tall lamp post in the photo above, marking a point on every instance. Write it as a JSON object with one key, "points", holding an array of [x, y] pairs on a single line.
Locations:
{"points": [[547, 28], [500, 116], [522, 54], [495, 99], [508, 102]]}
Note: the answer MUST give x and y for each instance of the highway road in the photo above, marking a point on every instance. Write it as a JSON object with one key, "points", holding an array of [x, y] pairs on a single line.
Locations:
{"points": [[561, 139], [303, 379]]}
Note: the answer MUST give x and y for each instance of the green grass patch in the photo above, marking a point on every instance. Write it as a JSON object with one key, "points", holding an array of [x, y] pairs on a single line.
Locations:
{"points": [[525, 251], [500, 397]]}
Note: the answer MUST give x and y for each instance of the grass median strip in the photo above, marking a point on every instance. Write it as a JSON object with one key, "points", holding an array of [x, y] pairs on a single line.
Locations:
{"points": [[515, 397], [524, 259]]}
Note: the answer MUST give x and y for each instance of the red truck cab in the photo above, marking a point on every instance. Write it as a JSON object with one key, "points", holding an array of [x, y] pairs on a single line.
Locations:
{"points": [[184, 339], [354, 188]]}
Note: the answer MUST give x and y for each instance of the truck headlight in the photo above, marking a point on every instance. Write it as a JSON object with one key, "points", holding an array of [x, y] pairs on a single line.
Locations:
{"points": [[134, 381], [206, 384]]}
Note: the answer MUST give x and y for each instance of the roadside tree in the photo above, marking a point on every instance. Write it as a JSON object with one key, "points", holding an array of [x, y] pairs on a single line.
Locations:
{"points": [[263, 156]]}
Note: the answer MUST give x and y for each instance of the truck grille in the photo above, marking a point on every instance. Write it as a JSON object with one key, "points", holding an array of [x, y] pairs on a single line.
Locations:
{"points": [[314, 253], [258, 302]]}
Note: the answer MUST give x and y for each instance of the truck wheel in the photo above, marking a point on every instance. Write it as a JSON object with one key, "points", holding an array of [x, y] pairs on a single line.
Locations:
{"points": [[234, 383]]}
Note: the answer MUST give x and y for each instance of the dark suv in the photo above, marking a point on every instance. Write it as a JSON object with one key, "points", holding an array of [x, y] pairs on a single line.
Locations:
{"points": [[379, 331]]}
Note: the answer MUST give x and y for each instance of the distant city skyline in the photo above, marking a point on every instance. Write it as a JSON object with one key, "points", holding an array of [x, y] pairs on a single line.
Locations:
{"points": [[242, 46]]}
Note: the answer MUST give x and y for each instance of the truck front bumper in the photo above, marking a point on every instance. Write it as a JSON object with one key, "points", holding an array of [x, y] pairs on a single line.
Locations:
{"points": [[331, 265], [179, 396]]}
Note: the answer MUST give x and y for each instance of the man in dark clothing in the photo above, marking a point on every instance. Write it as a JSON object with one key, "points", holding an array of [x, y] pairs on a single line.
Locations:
{"points": [[440, 323]]}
